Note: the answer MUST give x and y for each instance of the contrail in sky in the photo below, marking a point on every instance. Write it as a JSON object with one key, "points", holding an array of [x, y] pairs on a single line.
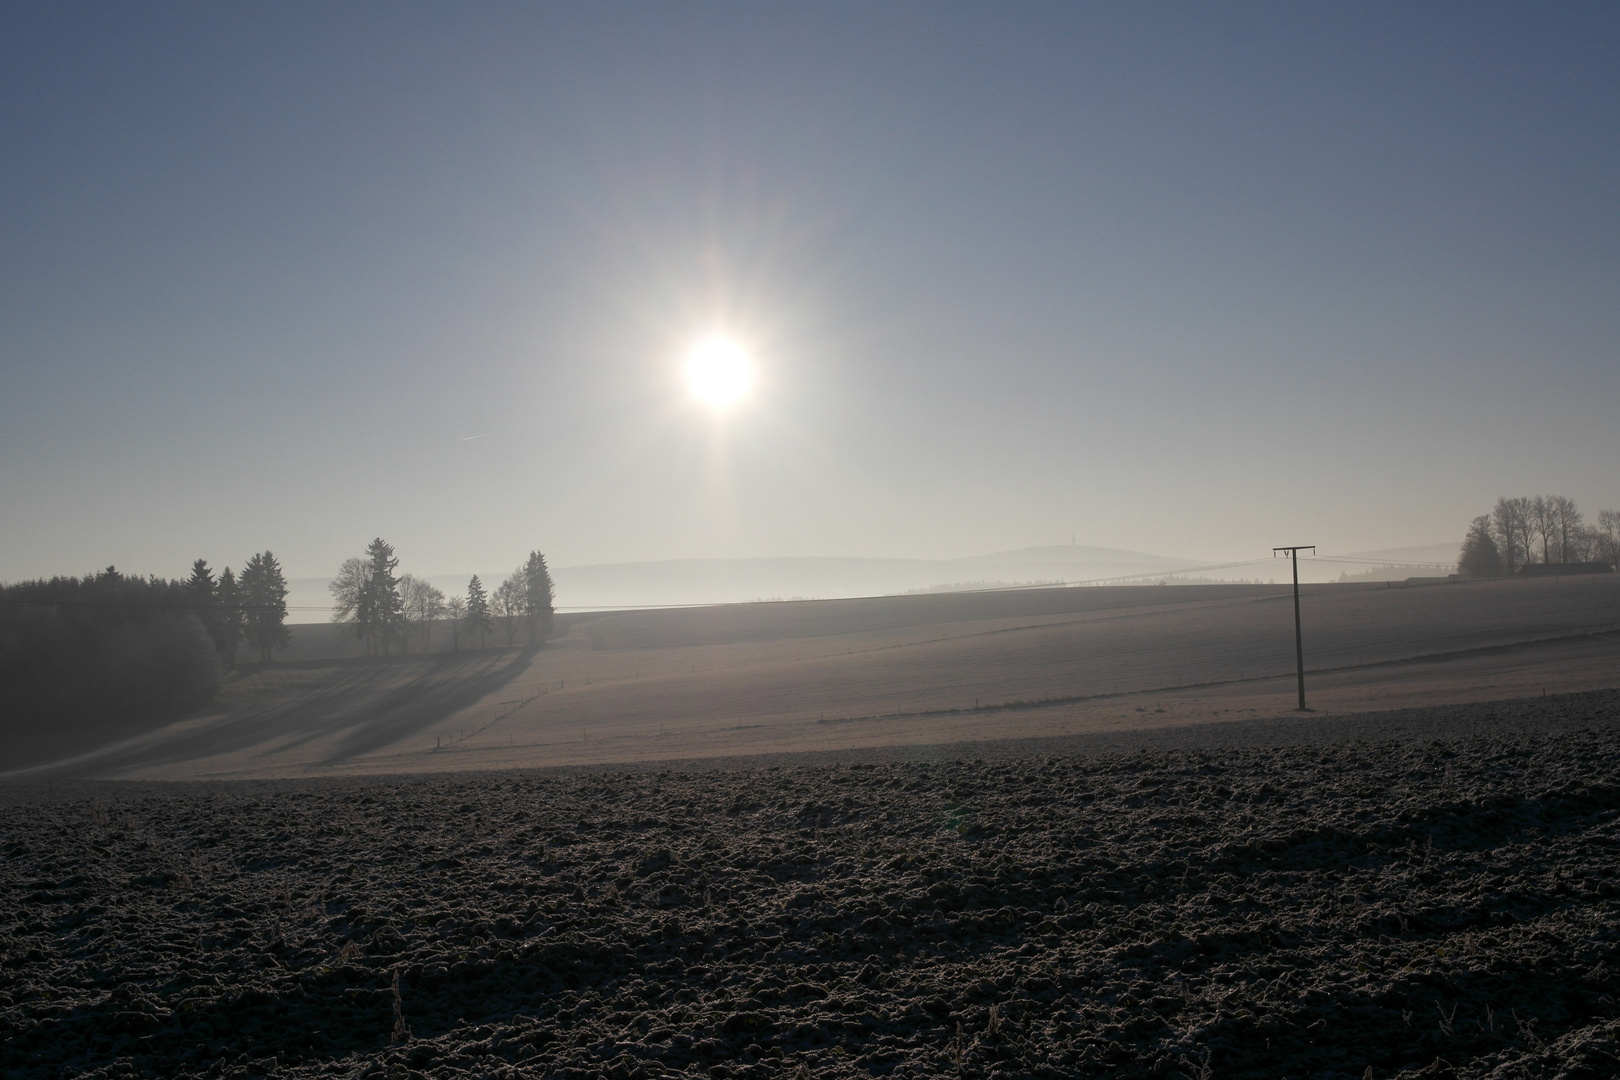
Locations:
{"points": [[485, 435]]}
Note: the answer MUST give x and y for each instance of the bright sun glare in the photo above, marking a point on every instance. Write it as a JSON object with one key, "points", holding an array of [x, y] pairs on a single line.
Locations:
{"points": [[718, 372]]}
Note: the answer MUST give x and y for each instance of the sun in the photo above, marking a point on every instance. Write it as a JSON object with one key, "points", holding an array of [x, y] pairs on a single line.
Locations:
{"points": [[718, 372]]}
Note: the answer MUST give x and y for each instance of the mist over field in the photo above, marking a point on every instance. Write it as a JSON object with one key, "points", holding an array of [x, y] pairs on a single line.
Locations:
{"points": [[735, 581]]}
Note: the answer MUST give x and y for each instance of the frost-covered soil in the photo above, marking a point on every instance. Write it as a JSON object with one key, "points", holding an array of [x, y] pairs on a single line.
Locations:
{"points": [[1426, 907]]}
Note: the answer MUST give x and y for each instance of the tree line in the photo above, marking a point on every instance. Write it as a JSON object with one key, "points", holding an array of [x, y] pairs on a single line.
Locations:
{"points": [[388, 610], [1538, 529], [111, 647], [115, 645]]}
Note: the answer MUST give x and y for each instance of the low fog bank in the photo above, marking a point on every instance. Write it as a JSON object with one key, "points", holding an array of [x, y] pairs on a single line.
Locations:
{"points": [[731, 581], [720, 581], [674, 582]]}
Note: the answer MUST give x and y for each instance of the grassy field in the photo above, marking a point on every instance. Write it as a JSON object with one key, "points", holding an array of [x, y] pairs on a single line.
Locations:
{"points": [[891, 671]]}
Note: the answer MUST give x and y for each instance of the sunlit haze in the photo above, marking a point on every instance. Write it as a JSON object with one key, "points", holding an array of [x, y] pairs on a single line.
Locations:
{"points": [[626, 283]]}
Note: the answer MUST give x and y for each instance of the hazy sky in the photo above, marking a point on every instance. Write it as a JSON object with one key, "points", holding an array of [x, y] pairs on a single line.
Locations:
{"points": [[1188, 278]]}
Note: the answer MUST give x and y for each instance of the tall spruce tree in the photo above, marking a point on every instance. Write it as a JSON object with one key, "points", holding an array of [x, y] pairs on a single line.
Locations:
{"points": [[201, 584], [204, 596], [478, 617], [231, 621], [264, 601], [385, 611], [538, 594]]}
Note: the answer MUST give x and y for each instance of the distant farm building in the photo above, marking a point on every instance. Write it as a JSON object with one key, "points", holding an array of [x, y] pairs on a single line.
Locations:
{"points": [[1564, 569]]}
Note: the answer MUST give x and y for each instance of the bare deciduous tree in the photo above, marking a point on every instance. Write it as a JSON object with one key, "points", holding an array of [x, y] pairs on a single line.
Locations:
{"points": [[349, 590], [422, 604], [1565, 519], [1511, 519], [1554, 522], [455, 614], [1541, 519], [1606, 537], [507, 604]]}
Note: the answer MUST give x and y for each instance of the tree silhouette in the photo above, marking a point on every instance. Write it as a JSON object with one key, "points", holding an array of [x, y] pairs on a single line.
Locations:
{"points": [[264, 601], [455, 614], [478, 618], [232, 623], [1479, 557], [204, 594], [383, 609], [351, 600], [1511, 518], [201, 584], [1606, 538], [1566, 521], [509, 605], [422, 604], [102, 649], [538, 594]]}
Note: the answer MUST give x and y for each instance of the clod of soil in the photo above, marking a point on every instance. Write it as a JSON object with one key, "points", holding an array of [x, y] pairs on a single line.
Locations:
{"points": [[1439, 908]]}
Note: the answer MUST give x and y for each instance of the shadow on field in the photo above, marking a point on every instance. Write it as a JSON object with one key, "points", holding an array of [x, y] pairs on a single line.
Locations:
{"points": [[372, 705]]}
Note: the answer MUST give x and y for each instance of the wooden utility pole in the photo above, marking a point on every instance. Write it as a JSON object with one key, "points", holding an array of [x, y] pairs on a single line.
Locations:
{"points": [[1299, 641]]}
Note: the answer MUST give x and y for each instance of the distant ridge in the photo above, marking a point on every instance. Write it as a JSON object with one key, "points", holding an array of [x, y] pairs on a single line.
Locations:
{"points": [[720, 581], [1423, 553], [1071, 554]]}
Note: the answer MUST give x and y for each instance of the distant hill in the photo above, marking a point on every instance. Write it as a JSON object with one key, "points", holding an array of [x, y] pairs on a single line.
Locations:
{"points": [[714, 581], [1076, 555], [1423, 553]]}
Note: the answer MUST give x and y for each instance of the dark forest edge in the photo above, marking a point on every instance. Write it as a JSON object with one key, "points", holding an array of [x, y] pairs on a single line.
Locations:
{"points": [[117, 650], [79, 650]]}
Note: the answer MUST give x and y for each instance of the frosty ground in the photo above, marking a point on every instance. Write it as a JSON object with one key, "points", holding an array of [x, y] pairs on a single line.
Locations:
{"points": [[1428, 892]]}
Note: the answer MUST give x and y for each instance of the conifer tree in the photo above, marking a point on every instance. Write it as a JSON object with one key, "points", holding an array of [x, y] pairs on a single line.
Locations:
{"points": [[384, 611], [1479, 556], [231, 621], [478, 618], [264, 602], [204, 595], [538, 594], [201, 584]]}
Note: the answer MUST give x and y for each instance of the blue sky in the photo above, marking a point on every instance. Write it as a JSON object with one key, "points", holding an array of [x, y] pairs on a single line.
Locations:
{"points": [[1192, 279]]}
